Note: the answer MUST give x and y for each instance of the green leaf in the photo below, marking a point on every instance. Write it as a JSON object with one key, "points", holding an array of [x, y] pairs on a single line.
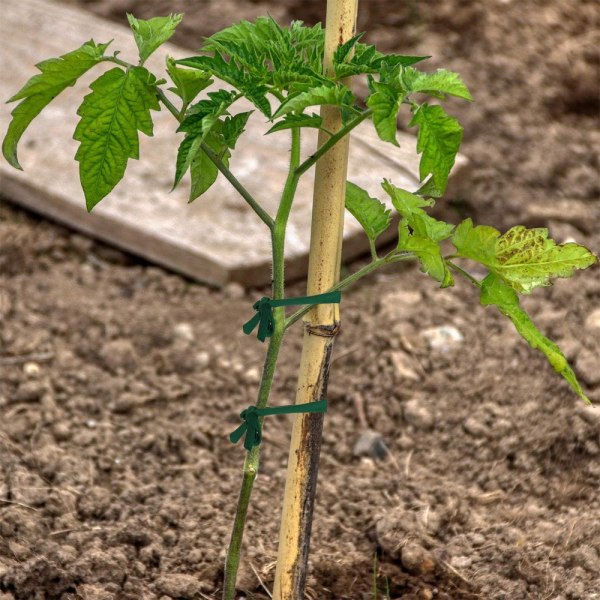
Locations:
{"points": [[366, 59], [111, 115], [429, 190], [341, 52], [202, 169], [495, 292], [201, 118], [436, 84], [338, 95], [152, 33], [372, 214], [188, 82], [438, 140], [234, 126], [523, 258], [291, 121], [410, 207], [477, 243], [56, 75], [428, 252], [385, 102]]}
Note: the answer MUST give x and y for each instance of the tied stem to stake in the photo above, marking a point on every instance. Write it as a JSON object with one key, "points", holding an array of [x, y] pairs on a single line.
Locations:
{"points": [[264, 311], [321, 327], [251, 427]]}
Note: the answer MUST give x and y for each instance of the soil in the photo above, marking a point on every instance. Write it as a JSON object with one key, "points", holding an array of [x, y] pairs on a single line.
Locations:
{"points": [[119, 382]]}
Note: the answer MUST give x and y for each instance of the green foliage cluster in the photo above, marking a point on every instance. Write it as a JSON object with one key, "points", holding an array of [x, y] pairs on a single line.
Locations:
{"points": [[279, 71]]}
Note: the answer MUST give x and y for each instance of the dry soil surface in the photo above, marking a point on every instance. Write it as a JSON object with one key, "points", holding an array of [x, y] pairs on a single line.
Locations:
{"points": [[119, 382]]}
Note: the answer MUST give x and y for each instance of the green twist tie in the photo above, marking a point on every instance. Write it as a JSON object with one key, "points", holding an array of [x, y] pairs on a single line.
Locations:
{"points": [[251, 425], [264, 311]]}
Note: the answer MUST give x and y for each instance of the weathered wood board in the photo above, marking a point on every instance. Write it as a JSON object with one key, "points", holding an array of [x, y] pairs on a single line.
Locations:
{"points": [[216, 239]]}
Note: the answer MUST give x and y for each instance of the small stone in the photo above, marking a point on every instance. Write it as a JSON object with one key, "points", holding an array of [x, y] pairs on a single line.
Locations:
{"points": [[234, 290], [184, 332], [570, 348], [31, 369], [202, 359], [475, 427], [418, 415], [444, 338], [119, 354], [416, 560], [587, 557], [587, 366], [425, 594], [87, 274], [593, 319], [588, 413], [405, 366], [125, 403], [252, 375], [461, 562], [61, 432], [371, 444], [395, 305], [29, 391], [178, 586]]}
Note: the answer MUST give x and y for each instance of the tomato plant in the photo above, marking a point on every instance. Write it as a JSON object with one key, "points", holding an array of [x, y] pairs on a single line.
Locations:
{"points": [[284, 72]]}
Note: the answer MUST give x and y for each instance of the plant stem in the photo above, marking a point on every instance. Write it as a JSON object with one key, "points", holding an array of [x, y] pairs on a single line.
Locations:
{"points": [[321, 323], [242, 191], [345, 283], [464, 273], [262, 214], [333, 140], [251, 463], [250, 470]]}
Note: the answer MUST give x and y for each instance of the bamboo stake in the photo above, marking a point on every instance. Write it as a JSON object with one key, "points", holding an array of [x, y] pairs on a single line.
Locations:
{"points": [[321, 325]]}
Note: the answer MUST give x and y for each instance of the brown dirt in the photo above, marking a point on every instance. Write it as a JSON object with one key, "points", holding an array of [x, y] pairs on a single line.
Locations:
{"points": [[119, 382]]}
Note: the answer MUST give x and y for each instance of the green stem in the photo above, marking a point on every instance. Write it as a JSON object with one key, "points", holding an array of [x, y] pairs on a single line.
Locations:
{"points": [[281, 219], [332, 141], [263, 215], [250, 469], [392, 257], [242, 191], [464, 273], [251, 463]]}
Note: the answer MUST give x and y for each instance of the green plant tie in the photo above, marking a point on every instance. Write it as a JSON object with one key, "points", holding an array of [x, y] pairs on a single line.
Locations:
{"points": [[251, 417], [264, 311]]}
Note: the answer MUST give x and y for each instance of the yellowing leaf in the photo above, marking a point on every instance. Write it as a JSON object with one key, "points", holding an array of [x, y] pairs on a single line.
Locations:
{"points": [[524, 258], [495, 292]]}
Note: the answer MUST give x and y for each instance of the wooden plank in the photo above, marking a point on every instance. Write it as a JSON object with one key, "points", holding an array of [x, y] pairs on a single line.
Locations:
{"points": [[216, 239]]}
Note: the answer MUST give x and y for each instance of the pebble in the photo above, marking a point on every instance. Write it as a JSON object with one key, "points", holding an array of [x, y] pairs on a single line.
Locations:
{"points": [[444, 338], [234, 290], [588, 366], [119, 354], [202, 359], [31, 369], [395, 305], [461, 562], [371, 444], [593, 319], [404, 366], [475, 427], [417, 414], [570, 347], [178, 586], [29, 391], [416, 560], [184, 332], [61, 432], [251, 376]]}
